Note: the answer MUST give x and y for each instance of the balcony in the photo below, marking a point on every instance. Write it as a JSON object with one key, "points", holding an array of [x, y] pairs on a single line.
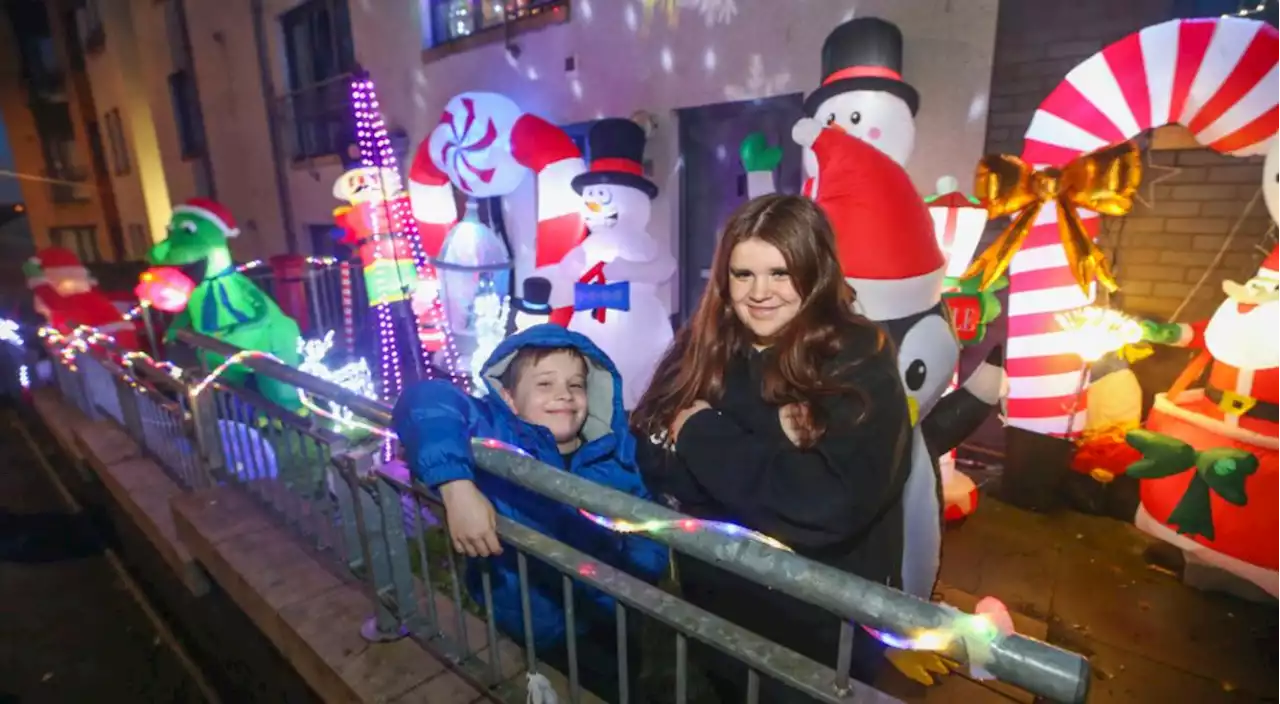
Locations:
{"points": [[67, 187]]}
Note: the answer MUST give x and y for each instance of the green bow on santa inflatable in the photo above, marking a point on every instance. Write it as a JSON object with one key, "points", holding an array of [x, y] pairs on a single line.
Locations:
{"points": [[1220, 470]]}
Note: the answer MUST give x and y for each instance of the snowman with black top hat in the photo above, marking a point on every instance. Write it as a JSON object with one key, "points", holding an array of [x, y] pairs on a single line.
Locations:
{"points": [[611, 279], [862, 93]]}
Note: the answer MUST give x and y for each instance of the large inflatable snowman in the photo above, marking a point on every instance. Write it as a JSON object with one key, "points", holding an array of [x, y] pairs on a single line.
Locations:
{"points": [[610, 280], [1209, 478]]}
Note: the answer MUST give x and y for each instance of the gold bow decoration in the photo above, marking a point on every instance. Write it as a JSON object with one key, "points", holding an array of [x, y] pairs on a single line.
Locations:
{"points": [[1103, 181]]}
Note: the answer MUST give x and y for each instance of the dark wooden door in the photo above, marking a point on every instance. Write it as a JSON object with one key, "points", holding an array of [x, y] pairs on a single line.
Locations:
{"points": [[713, 182]]}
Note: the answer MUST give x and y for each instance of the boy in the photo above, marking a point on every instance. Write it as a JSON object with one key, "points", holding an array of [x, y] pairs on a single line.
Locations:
{"points": [[555, 395]]}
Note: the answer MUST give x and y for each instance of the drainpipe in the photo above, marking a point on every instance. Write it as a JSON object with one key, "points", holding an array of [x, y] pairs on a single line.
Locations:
{"points": [[206, 160], [268, 97]]}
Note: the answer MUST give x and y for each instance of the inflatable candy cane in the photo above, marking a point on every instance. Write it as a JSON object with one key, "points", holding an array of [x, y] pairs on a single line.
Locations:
{"points": [[484, 145], [1216, 77]]}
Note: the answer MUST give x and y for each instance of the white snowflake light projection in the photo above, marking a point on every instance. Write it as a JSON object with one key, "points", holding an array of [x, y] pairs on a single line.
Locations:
{"points": [[758, 84], [355, 377]]}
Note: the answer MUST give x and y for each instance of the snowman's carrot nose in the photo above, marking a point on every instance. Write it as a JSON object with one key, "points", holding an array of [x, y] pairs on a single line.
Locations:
{"points": [[593, 207]]}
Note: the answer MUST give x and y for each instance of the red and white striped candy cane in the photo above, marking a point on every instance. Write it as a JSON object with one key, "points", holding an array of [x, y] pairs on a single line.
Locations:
{"points": [[539, 146], [1218, 78]]}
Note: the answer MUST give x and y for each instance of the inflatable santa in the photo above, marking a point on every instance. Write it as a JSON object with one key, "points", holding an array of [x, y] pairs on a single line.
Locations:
{"points": [[66, 295], [1210, 483], [611, 279]]}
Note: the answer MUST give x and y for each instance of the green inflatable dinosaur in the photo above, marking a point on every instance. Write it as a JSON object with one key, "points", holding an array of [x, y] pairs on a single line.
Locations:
{"points": [[225, 304]]}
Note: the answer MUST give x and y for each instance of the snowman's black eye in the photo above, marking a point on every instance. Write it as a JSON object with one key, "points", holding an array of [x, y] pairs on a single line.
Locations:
{"points": [[831, 119], [915, 374], [855, 117]]}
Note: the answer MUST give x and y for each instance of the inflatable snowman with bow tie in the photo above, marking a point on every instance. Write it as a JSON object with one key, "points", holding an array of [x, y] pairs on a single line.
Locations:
{"points": [[607, 286]]}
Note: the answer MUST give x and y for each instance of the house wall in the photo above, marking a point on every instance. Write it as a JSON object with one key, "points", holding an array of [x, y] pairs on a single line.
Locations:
{"points": [[43, 213], [121, 73], [237, 128], [1191, 198], [625, 65]]}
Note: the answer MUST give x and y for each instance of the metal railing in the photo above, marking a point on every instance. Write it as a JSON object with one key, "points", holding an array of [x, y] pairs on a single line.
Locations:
{"points": [[378, 523]]}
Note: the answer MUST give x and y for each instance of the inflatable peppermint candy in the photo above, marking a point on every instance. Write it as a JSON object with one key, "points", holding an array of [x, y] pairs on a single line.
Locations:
{"points": [[1215, 76], [472, 144], [518, 143]]}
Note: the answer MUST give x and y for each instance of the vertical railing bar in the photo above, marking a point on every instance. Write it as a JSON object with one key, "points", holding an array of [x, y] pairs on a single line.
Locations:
{"points": [[571, 639], [491, 626], [526, 612]]}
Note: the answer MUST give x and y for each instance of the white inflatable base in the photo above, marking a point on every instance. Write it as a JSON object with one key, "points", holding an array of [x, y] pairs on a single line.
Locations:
{"points": [[1267, 580]]}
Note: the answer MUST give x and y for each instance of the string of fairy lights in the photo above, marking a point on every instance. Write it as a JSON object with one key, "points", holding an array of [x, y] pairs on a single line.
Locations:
{"points": [[977, 632]]}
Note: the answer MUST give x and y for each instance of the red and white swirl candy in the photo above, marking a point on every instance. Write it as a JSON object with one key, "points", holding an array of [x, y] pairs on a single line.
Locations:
{"points": [[472, 144]]}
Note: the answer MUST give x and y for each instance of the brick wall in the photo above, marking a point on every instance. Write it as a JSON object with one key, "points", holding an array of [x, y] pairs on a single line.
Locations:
{"points": [[1162, 250]]}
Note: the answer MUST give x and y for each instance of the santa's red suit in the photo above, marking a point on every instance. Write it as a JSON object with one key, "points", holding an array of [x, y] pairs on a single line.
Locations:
{"points": [[64, 293], [1238, 347]]}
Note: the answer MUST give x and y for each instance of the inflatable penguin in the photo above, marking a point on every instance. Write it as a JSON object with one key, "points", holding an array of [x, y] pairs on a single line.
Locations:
{"points": [[890, 256]]}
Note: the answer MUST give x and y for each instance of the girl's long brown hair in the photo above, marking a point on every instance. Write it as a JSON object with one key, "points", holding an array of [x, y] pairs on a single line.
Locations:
{"points": [[693, 368]]}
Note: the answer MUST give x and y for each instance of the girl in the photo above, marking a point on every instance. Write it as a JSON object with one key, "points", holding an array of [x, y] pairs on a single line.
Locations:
{"points": [[780, 409]]}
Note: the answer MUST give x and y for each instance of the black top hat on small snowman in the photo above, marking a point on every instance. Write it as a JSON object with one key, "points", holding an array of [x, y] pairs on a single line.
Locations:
{"points": [[537, 297], [617, 153], [863, 54]]}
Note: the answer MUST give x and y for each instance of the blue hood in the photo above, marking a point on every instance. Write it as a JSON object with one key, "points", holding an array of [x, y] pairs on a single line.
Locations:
{"points": [[605, 413]]}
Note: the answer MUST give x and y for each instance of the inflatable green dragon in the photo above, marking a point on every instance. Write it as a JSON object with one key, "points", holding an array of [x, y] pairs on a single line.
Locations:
{"points": [[225, 304]]}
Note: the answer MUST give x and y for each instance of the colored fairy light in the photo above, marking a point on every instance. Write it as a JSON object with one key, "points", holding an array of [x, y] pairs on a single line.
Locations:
{"points": [[978, 631], [24, 377]]}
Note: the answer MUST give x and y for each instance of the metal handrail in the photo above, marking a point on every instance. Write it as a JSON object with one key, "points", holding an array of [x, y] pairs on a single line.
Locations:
{"points": [[1038, 667]]}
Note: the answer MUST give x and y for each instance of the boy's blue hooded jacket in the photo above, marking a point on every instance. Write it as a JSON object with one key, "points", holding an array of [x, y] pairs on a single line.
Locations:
{"points": [[436, 422]]}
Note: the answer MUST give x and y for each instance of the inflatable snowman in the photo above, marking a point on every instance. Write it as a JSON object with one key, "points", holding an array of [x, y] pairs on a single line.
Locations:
{"points": [[862, 93], [611, 279], [1209, 478]]}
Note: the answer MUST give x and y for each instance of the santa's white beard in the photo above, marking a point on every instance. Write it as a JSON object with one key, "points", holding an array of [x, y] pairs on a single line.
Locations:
{"points": [[1245, 340]]}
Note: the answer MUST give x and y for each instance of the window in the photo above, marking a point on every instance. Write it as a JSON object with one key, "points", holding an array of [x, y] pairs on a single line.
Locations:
{"points": [[320, 56], [89, 22], [578, 133], [186, 113], [451, 20], [115, 139], [82, 239], [138, 243]]}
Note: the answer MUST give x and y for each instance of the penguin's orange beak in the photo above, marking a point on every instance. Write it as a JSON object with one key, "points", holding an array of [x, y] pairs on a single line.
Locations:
{"points": [[913, 409]]}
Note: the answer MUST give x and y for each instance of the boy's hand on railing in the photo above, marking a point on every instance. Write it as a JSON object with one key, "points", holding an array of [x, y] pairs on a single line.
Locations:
{"points": [[473, 526]]}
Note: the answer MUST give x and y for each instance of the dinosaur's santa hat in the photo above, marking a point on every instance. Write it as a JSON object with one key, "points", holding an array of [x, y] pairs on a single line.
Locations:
{"points": [[213, 211], [884, 234]]}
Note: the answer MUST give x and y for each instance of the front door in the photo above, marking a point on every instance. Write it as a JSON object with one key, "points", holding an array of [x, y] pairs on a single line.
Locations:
{"points": [[713, 182]]}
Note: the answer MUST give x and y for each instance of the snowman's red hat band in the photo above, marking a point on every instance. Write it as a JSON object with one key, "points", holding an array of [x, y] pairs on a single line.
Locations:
{"points": [[618, 165], [862, 72]]}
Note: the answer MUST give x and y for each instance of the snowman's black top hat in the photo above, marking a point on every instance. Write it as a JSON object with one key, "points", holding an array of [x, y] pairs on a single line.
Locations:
{"points": [[537, 296], [617, 150], [863, 54]]}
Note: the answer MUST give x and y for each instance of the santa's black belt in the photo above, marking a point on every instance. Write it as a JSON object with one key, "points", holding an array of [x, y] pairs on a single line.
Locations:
{"points": [[1243, 406]]}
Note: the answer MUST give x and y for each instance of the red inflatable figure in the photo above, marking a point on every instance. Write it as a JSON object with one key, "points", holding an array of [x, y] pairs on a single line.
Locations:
{"points": [[66, 296]]}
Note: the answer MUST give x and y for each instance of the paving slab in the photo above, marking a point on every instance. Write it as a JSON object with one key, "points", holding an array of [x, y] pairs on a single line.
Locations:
{"points": [[1084, 583]]}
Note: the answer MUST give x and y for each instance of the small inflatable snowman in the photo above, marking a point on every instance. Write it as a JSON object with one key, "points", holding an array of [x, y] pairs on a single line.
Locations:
{"points": [[611, 278]]}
